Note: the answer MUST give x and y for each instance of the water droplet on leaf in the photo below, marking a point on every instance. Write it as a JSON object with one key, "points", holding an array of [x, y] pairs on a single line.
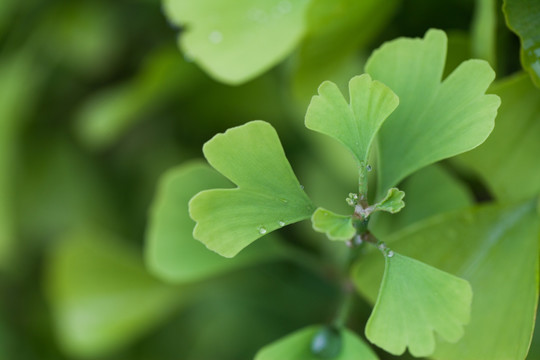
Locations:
{"points": [[282, 223], [369, 168], [262, 230], [215, 37], [390, 253], [327, 343]]}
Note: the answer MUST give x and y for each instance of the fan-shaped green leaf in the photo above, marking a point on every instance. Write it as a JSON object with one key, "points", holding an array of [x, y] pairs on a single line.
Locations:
{"points": [[495, 248], [434, 120], [297, 346], [335, 226], [415, 301], [235, 41], [508, 160], [392, 202], [172, 253], [356, 124], [101, 295], [268, 196], [523, 17]]}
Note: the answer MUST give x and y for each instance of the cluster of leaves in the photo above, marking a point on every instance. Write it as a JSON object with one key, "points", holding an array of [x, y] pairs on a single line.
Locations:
{"points": [[415, 300], [96, 102]]}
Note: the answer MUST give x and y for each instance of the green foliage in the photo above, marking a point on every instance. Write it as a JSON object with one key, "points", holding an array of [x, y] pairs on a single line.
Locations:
{"points": [[433, 301], [507, 162], [495, 248], [411, 138], [335, 31], [335, 226], [298, 345], [356, 124], [106, 116], [430, 191], [523, 17], [17, 93], [415, 301], [96, 106], [392, 202], [268, 196], [230, 40], [90, 276], [171, 252], [484, 30]]}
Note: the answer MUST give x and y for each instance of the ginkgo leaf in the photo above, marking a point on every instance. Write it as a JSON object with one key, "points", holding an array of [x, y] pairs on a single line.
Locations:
{"points": [[335, 226], [434, 120], [101, 295], [268, 196], [493, 247], [171, 251], [355, 124], [523, 17], [298, 345], [392, 202], [416, 301], [508, 160], [235, 41]]}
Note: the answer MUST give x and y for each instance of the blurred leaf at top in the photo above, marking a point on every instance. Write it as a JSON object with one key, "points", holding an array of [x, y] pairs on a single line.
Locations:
{"points": [[237, 41], [523, 17], [434, 120], [335, 31]]}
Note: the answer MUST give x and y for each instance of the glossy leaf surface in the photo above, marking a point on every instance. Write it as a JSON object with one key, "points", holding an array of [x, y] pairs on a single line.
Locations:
{"points": [[495, 248], [508, 160], [237, 41], [335, 226], [297, 346], [434, 120], [415, 302], [356, 123], [523, 17], [172, 253], [268, 196], [101, 295]]}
